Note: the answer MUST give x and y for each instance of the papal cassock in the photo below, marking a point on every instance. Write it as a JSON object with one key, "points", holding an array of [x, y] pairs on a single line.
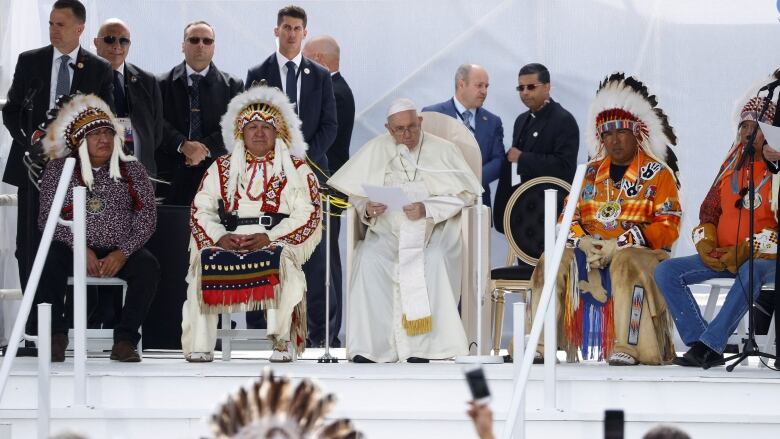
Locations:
{"points": [[405, 282]]}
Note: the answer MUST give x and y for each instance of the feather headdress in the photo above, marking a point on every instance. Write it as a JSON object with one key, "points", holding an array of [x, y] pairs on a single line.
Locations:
{"points": [[66, 133], [270, 408]]}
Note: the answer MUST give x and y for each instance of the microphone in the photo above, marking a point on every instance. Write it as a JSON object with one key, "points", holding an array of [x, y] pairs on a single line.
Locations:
{"points": [[35, 85], [405, 154], [771, 86]]}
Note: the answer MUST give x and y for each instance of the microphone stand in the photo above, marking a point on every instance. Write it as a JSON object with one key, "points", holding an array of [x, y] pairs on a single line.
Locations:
{"points": [[751, 347], [327, 357]]}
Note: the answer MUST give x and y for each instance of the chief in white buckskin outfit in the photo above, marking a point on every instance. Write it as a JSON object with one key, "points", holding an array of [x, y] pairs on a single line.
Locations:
{"points": [[259, 202], [405, 286]]}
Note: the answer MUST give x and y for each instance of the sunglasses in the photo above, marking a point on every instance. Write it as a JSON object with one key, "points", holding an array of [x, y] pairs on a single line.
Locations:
{"points": [[110, 39], [196, 40], [529, 87]]}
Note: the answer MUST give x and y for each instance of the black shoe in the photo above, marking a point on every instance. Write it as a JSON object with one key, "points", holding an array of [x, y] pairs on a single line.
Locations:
{"points": [[417, 360], [700, 355], [361, 359], [59, 342]]}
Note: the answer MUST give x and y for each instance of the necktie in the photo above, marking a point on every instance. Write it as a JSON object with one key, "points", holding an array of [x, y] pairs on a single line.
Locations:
{"points": [[120, 100], [467, 119], [292, 83], [63, 77], [196, 131]]}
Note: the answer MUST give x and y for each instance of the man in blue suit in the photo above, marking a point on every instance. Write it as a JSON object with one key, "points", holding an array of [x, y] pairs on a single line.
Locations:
{"points": [[471, 84], [308, 85]]}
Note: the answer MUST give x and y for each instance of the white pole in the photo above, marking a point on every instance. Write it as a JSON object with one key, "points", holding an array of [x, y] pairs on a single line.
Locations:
{"points": [[518, 314], [480, 358], [44, 369], [550, 321], [480, 291], [79, 296], [35, 273], [544, 301]]}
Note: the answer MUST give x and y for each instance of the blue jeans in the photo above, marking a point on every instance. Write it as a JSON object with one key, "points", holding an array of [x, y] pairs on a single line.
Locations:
{"points": [[673, 277]]}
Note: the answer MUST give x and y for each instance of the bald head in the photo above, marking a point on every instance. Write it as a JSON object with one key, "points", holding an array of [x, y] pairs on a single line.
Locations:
{"points": [[113, 41], [324, 50]]}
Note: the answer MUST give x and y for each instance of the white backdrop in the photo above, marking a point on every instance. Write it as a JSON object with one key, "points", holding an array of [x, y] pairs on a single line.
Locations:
{"points": [[697, 56]]}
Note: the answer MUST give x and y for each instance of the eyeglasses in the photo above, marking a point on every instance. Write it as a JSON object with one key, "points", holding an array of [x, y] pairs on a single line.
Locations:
{"points": [[530, 87], [196, 40], [412, 129], [110, 40]]}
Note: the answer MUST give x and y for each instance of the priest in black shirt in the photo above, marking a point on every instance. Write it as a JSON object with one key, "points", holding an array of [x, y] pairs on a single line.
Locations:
{"points": [[545, 139]]}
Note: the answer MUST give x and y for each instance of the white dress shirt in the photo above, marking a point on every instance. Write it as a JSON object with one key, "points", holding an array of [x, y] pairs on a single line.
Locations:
{"points": [[281, 60], [460, 108]]}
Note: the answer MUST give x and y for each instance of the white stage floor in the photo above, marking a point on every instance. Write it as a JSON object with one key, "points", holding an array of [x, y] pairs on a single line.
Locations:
{"points": [[164, 396]]}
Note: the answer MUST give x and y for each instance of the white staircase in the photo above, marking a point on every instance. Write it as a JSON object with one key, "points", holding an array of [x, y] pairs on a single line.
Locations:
{"points": [[169, 398]]}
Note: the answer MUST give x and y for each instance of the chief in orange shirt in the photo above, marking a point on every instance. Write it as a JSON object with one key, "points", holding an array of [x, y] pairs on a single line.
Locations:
{"points": [[722, 244], [627, 217]]}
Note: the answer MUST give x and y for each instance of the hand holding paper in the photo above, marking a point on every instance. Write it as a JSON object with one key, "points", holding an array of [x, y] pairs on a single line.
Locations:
{"points": [[392, 197]]}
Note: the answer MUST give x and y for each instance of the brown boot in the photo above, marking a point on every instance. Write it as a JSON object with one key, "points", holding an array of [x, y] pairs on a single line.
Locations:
{"points": [[59, 342], [125, 352]]}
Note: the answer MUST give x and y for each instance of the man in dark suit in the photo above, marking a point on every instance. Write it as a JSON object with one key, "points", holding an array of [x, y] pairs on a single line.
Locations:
{"points": [[195, 95], [545, 140], [471, 84], [137, 98], [325, 51], [308, 85], [138, 106], [40, 77]]}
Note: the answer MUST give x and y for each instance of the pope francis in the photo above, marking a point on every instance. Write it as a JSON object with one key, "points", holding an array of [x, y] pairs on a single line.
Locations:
{"points": [[405, 286]]}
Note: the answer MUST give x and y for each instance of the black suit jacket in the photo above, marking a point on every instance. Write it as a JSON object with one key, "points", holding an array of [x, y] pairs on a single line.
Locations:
{"points": [[552, 151], [217, 89], [146, 114], [316, 107], [338, 154], [32, 78]]}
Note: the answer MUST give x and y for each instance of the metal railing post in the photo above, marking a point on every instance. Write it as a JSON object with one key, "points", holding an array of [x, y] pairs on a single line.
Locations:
{"points": [[518, 314], [544, 301], [550, 320], [35, 273], [44, 369], [79, 296]]}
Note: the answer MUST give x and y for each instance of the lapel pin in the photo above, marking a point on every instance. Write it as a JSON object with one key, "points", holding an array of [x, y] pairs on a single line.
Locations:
{"points": [[80, 65], [306, 70], [133, 79], [484, 118], [536, 133]]}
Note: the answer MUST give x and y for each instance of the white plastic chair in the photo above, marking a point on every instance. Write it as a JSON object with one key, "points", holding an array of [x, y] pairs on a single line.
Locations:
{"points": [[719, 285]]}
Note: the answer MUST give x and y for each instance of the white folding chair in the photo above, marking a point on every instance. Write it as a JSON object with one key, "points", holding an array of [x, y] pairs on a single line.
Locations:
{"points": [[108, 333]]}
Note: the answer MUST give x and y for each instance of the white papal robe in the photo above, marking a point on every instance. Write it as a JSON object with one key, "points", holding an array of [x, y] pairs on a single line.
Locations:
{"points": [[389, 283], [258, 192]]}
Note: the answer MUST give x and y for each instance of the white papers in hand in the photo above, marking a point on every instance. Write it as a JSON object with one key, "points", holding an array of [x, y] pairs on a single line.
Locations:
{"points": [[771, 134], [393, 197]]}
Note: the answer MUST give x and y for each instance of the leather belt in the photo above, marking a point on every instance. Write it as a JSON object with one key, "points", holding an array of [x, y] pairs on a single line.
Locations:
{"points": [[268, 220]]}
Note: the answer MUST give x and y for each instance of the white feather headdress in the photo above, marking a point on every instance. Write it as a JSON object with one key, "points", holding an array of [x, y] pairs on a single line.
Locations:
{"points": [[270, 105], [66, 134], [626, 103]]}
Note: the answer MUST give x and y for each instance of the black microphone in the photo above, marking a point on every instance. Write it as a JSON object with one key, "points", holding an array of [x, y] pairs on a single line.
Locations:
{"points": [[771, 86], [35, 85]]}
